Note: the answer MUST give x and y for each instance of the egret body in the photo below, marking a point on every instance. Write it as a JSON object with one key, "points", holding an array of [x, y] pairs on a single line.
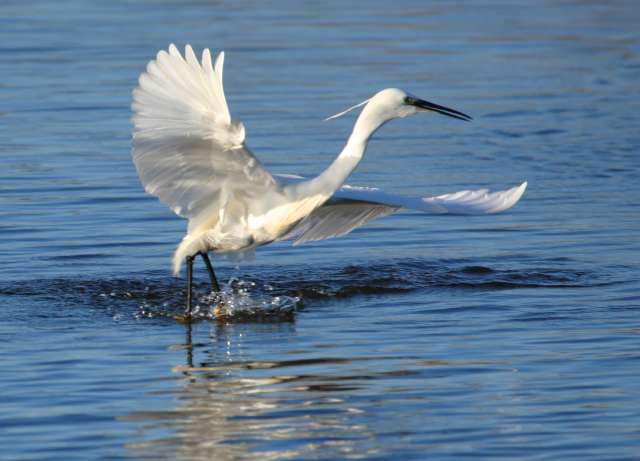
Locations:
{"points": [[192, 155]]}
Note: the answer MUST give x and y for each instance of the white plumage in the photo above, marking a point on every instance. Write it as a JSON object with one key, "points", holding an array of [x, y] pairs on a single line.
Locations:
{"points": [[351, 207], [191, 154]]}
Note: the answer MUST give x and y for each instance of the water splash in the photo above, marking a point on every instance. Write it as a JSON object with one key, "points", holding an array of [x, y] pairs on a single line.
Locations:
{"points": [[238, 300], [241, 298]]}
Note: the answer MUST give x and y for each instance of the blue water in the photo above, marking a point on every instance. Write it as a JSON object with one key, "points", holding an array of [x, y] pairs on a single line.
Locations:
{"points": [[513, 336]]}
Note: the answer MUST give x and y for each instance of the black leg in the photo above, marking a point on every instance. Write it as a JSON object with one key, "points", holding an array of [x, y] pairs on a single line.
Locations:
{"points": [[189, 284], [212, 275]]}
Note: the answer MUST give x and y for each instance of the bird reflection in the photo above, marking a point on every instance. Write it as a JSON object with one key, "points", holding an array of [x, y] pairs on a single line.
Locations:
{"points": [[233, 405]]}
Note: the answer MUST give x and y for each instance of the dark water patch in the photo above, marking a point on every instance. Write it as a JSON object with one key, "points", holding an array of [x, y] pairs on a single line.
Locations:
{"points": [[411, 275], [508, 134], [481, 270], [541, 317], [250, 295], [546, 132], [96, 291]]}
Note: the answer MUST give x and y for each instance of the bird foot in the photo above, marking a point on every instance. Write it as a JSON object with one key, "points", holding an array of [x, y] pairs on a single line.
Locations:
{"points": [[220, 313]]}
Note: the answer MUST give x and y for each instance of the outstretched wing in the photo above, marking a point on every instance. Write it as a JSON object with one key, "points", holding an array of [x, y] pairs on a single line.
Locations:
{"points": [[187, 149], [352, 207]]}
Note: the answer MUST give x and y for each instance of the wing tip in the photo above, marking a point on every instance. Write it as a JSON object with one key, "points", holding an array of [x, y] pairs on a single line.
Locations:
{"points": [[519, 191], [512, 198], [219, 64], [173, 49]]}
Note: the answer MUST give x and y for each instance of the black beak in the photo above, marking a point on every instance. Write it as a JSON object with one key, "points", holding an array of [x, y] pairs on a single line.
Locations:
{"points": [[426, 105]]}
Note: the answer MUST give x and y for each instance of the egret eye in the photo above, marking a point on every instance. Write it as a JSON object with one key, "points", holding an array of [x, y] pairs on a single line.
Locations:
{"points": [[410, 101]]}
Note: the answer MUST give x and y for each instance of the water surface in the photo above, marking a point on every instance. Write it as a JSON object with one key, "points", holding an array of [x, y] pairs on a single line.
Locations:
{"points": [[512, 336]]}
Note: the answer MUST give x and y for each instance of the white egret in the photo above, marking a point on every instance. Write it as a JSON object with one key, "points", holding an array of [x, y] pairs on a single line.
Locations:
{"points": [[192, 155]]}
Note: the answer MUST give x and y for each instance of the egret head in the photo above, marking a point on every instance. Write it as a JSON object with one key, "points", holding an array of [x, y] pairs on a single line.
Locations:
{"points": [[395, 103], [398, 104]]}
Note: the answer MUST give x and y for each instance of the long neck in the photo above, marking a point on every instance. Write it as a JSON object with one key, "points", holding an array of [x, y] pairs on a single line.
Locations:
{"points": [[336, 174]]}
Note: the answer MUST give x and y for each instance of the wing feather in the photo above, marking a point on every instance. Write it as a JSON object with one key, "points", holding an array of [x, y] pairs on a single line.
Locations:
{"points": [[352, 207], [336, 219], [186, 146]]}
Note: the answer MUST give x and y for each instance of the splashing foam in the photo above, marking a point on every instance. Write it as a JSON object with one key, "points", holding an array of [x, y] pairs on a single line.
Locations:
{"points": [[238, 299], [244, 299]]}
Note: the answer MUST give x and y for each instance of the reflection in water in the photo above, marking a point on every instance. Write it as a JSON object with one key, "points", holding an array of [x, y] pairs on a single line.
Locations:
{"points": [[231, 407]]}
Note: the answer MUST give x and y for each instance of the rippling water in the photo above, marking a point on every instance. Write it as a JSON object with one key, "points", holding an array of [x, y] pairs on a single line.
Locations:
{"points": [[513, 336]]}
